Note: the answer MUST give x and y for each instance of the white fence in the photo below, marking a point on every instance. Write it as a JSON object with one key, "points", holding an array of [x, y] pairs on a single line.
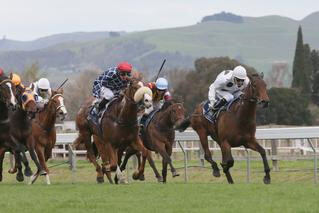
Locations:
{"points": [[307, 138]]}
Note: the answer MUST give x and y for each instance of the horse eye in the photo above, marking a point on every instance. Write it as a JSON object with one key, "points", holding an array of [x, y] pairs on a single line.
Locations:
{"points": [[24, 98]]}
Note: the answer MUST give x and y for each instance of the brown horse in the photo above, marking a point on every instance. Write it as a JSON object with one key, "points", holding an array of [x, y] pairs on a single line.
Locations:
{"points": [[233, 128], [21, 128], [43, 129], [119, 129], [7, 99], [159, 137]]}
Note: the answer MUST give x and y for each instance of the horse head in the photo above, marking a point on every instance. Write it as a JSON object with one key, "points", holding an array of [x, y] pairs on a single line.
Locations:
{"points": [[27, 101], [57, 101], [138, 93], [257, 90], [7, 90], [175, 110]]}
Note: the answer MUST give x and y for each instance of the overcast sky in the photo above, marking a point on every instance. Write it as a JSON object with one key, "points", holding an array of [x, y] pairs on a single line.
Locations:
{"points": [[31, 19]]}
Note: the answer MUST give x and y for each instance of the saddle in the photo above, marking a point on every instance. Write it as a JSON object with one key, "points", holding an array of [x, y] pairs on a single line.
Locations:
{"points": [[212, 116], [144, 122], [95, 117]]}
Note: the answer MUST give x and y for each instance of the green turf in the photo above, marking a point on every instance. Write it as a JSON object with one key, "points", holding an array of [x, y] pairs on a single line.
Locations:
{"points": [[292, 190]]}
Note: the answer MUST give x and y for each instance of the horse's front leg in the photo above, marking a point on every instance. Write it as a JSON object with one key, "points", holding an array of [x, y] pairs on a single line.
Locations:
{"points": [[254, 145], [227, 161]]}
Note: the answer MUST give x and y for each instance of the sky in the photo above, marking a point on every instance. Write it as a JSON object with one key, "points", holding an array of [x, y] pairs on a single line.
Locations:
{"points": [[31, 19]]}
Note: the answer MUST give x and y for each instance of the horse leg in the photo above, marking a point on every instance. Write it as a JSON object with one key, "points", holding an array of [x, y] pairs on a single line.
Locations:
{"points": [[146, 154], [85, 137], [169, 153], [164, 170], [128, 153], [256, 147], [40, 152], [19, 176], [27, 169], [208, 155], [227, 161], [2, 153]]}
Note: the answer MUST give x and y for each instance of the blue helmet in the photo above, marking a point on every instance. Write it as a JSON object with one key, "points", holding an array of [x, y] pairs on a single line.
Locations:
{"points": [[161, 84]]}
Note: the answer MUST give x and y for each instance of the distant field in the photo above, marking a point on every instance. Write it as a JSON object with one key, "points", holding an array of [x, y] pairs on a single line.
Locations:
{"points": [[292, 190]]}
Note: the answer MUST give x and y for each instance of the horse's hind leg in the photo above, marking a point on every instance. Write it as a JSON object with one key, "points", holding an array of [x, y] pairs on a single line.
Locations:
{"points": [[2, 152], [202, 133], [128, 153], [228, 160], [256, 147]]}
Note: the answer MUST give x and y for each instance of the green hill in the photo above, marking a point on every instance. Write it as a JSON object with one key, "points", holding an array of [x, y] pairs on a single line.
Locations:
{"points": [[257, 41]]}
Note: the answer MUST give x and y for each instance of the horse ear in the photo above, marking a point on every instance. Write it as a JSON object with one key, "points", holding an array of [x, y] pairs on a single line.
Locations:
{"points": [[261, 75], [60, 90]]}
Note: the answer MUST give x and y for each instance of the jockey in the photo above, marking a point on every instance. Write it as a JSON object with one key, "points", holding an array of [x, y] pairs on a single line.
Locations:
{"points": [[1, 71], [160, 92], [228, 85], [110, 83], [42, 91], [160, 95], [16, 80]]}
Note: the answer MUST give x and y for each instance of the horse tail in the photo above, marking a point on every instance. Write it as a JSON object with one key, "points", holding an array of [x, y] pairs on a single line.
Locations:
{"points": [[184, 124]]}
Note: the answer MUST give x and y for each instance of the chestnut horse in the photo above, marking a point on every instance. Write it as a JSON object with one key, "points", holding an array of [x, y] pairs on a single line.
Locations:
{"points": [[235, 127], [159, 137], [119, 129], [43, 129]]}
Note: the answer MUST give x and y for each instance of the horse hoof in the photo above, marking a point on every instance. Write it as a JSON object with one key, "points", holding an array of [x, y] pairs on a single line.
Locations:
{"points": [[216, 173], [100, 179], [42, 172], [160, 179], [135, 175], [12, 171], [175, 174], [20, 177], [266, 180], [28, 172], [141, 177], [123, 181]]}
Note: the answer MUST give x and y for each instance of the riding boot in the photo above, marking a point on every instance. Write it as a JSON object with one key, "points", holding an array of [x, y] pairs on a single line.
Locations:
{"points": [[100, 106], [142, 123]]}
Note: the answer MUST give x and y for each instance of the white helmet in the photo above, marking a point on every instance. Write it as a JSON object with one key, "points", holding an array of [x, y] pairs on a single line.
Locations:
{"points": [[161, 84], [43, 83], [240, 72]]}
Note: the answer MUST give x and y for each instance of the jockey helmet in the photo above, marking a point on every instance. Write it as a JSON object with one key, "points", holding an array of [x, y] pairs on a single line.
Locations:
{"points": [[124, 67], [44, 84], [15, 78], [239, 72], [161, 84]]}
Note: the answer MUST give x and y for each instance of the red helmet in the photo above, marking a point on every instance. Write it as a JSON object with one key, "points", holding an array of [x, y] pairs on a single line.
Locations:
{"points": [[124, 67], [1, 71]]}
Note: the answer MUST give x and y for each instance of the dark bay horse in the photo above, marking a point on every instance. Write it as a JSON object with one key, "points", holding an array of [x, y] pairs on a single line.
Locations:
{"points": [[233, 128], [119, 129], [159, 137], [7, 100], [21, 128], [43, 129]]}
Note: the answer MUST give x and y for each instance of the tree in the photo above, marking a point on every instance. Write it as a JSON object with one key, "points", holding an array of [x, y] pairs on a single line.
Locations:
{"points": [[300, 78], [31, 73], [286, 107], [308, 71], [315, 80]]}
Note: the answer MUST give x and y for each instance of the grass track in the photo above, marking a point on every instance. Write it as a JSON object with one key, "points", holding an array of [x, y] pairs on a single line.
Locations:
{"points": [[290, 191]]}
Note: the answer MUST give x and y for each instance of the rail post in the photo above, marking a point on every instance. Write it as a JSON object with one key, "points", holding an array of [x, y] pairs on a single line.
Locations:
{"points": [[314, 159], [185, 161]]}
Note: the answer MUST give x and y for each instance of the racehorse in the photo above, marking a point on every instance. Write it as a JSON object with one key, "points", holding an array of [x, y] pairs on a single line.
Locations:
{"points": [[21, 129], [43, 129], [233, 128], [159, 137], [119, 129], [7, 100]]}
